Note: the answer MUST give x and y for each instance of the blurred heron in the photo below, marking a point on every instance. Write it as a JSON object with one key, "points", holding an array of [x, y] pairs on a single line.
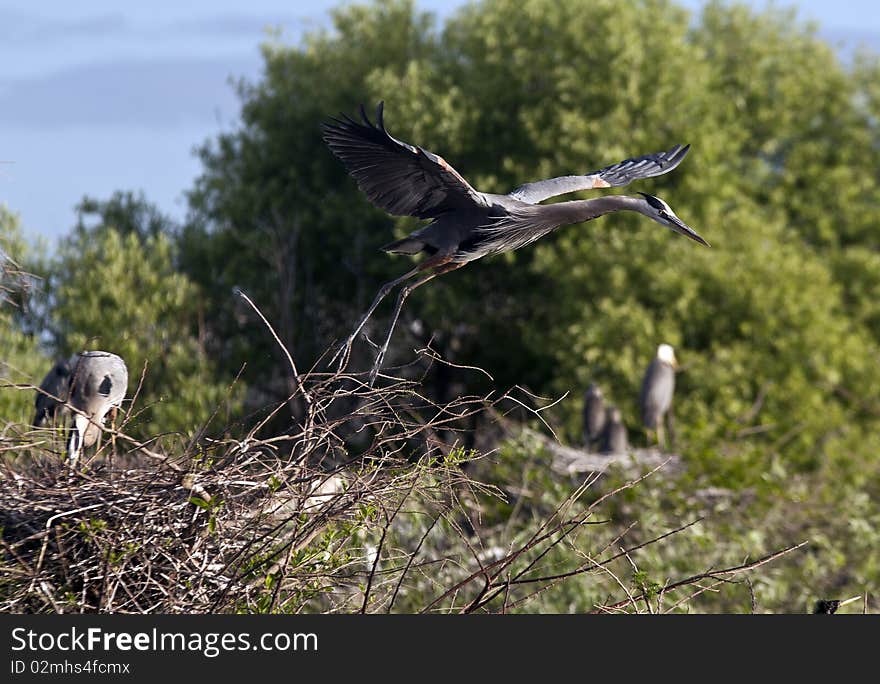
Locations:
{"points": [[97, 386], [593, 415], [658, 386], [465, 224], [830, 606], [614, 438], [51, 399]]}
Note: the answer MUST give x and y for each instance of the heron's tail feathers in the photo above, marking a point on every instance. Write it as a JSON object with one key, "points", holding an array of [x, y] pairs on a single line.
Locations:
{"points": [[407, 245]]}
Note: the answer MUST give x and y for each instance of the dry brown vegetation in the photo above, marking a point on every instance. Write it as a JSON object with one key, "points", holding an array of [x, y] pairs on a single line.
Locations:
{"points": [[368, 503]]}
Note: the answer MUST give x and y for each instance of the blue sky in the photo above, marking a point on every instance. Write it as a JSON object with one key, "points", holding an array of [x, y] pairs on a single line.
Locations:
{"points": [[98, 95]]}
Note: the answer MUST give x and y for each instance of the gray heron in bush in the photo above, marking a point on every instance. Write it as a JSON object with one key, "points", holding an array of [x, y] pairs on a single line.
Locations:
{"points": [[593, 415], [658, 387], [614, 438], [465, 224], [98, 385], [51, 399]]}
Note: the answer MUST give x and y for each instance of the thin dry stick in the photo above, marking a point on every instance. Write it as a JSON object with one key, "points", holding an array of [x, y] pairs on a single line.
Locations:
{"points": [[587, 566], [635, 569], [434, 356], [411, 558], [701, 590], [537, 538], [718, 574], [306, 395]]}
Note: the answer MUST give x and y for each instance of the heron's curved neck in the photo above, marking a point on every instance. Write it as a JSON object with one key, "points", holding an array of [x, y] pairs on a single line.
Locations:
{"points": [[527, 223], [578, 211]]}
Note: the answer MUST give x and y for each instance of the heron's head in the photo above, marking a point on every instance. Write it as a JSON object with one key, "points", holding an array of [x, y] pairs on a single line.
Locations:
{"points": [[90, 436], [666, 354], [655, 208], [593, 390]]}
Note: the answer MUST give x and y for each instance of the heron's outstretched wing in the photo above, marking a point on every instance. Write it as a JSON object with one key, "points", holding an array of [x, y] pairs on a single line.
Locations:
{"points": [[402, 179], [622, 173]]}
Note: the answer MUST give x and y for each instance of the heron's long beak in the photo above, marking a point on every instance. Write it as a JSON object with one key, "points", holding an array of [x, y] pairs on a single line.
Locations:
{"points": [[679, 226], [849, 600]]}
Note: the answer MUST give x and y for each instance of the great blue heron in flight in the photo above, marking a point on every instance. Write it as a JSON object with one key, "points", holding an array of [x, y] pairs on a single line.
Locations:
{"points": [[614, 438], [593, 415], [658, 386], [51, 399], [465, 224], [98, 385]]}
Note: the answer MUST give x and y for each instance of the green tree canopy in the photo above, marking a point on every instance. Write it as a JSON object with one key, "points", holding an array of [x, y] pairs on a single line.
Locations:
{"points": [[781, 180]]}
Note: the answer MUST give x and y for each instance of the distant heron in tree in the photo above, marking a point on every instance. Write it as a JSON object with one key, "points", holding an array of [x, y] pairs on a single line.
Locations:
{"points": [[614, 437], [51, 399], [830, 606], [97, 386], [465, 224], [658, 386], [593, 415]]}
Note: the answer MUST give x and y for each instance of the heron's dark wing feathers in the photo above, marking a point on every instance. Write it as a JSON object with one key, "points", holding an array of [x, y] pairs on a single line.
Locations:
{"points": [[616, 175], [402, 179], [55, 384]]}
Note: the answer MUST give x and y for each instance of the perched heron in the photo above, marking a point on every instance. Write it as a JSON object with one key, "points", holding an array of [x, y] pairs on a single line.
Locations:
{"points": [[465, 224], [830, 606], [614, 438], [97, 386], [50, 403], [658, 387], [594, 415]]}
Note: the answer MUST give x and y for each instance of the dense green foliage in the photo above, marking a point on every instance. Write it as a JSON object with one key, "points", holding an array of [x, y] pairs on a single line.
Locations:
{"points": [[21, 361], [777, 325]]}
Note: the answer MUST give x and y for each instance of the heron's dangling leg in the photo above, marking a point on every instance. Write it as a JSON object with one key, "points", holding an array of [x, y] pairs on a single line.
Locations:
{"points": [[404, 293], [74, 442], [345, 348], [661, 434]]}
